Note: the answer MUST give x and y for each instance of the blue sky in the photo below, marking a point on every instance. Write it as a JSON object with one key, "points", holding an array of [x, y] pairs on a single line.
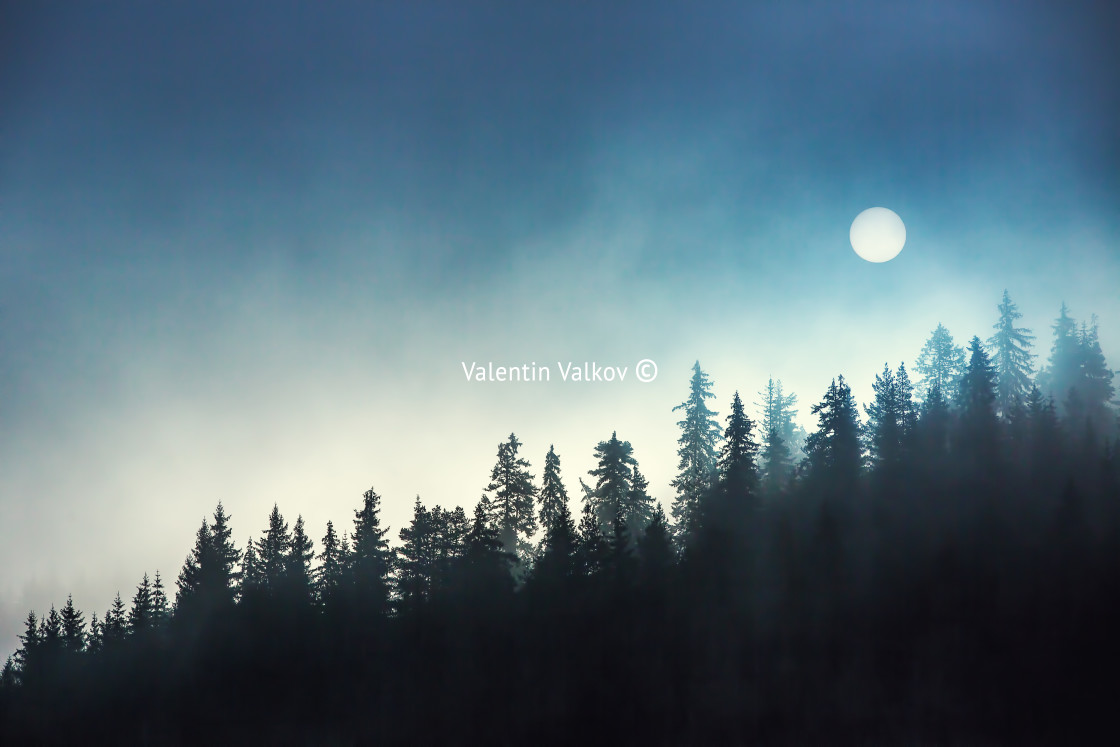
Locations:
{"points": [[245, 247]]}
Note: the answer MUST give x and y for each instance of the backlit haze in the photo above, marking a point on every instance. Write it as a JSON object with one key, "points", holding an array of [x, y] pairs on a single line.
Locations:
{"points": [[246, 248]]}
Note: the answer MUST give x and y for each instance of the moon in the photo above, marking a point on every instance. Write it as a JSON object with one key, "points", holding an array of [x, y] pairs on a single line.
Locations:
{"points": [[878, 234]]}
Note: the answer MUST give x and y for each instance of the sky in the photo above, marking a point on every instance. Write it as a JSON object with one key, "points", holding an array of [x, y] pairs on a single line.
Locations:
{"points": [[246, 248]]}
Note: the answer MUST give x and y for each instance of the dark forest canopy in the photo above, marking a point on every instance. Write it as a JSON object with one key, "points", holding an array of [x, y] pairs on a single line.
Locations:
{"points": [[941, 567]]}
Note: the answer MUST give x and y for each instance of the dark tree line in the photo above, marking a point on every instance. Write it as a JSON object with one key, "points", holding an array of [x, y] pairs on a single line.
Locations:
{"points": [[943, 570]]}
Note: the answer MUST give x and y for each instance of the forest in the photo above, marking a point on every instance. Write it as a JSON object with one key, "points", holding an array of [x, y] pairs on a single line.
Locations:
{"points": [[940, 565]]}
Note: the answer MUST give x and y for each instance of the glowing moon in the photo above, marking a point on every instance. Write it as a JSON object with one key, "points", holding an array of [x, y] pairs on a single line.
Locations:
{"points": [[878, 234]]}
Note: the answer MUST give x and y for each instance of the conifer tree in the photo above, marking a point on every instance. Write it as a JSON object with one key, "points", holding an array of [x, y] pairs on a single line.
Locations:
{"points": [[252, 579], [1012, 358], [552, 495], [297, 564], [114, 628], [778, 413], [655, 550], [73, 627], [1095, 378], [638, 507], [592, 543], [94, 638], [30, 640], [737, 472], [977, 394], [559, 549], [778, 464], [161, 610], [330, 575], [227, 554], [370, 556], [613, 473], [941, 362], [834, 452], [890, 417], [488, 565], [697, 471], [416, 557], [273, 550], [140, 616], [512, 496]]}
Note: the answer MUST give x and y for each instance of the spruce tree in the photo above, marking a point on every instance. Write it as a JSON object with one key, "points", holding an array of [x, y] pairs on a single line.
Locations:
{"points": [[890, 417], [487, 564], [297, 564], [512, 496], [655, 551], [737, 473], [697, 470], [778, 464], [976, 400], [226, 553], [416, 557], [834, 452], [94, 639], [1012, 358], [552, 496], [28, 652], [638, 507], [272, 552], [558, 559], [778, 413], [330, 575], [613, 473], [592, 543], [1062, 371], [141, 615], [370, 557], [73, 627], [941, 362], [1095, 379], [114, 628], [252, 580], [161, 610]]}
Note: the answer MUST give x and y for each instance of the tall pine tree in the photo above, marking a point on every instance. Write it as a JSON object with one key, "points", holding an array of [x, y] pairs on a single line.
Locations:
{"points": [[941, 362], [1011, 355], [697, 471]]}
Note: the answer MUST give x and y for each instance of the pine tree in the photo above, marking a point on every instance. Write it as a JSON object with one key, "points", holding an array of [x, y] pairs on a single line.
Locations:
{"points": [[272, 552], [977, 394], [553, 497], [416, 557], [655, 551], [941, 362], [370, 556], [834, 452], [1095, 379], [513, 496], [778, 413], [330, 575], [487, 564], [141, 616], [592, 543], [737, 472], [890, 417], [778, 464], [1012, 357], [114, 628], [226, 553], [449, 532], [697, 471], [1063, 369], [161, 610], [30, 640], [297, 564], [252, 579], [638, 507], [558, 559], [73, 627], [197, 576], [613, 473], [94, 638]]}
